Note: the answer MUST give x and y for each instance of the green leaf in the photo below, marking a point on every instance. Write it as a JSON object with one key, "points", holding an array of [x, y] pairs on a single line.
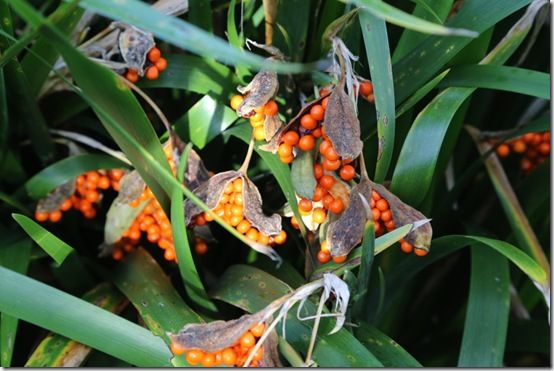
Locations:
{"points": [[56, 248], [58, 351], [192, 73], [145, 284], [46, 180], [486, 322], [193, 284], [385, 349], [366, 260], [512, 79], [184, 35], [76, 319], [302, 174], [376, 42], [204, 121], [396, 16], [252, 290], [422, 63], [14, 255]]}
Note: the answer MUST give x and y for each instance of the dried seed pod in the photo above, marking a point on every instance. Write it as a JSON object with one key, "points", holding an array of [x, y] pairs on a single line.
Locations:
{"points": [[55, 199], [272, 124], [134, 45], [404, 214], [342, 125], [347, 232], [195, 173], [131, 187], [258, 92]]}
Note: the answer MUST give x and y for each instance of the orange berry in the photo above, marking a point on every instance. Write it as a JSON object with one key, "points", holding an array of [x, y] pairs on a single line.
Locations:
{"points": [[93, 196], [519, 146], [66, 205], [132, 76], [339, 259], [306, 143], [169, 254], [271, 108], [382, 205], [503, 150], [237, 210], [263, 238], [237, 185], [324, 247], [116, 174], [318, 171], [544, 148], [405, 246], [326, 181], [366, 88], [386, 216], [90, 214], [331, 165], [134, 234], [287, 160], [324, 102], [337, 206], [281, 238], [243, 226], [528, 138], [305, 204], [55, 216], [117, 255], [291, 138], [229, 357], [526, 164], [285, 150], [420, 252], [152, 73], [317, 112], [209, 360], [347, 173], [308, 122], [161, 64], [324, 147], [92, 178], [176, 349], [195, 357], [327, 200], [200, 220], [153, 237], [252, 234], [258, 329], [318, 193], [376, 196], [390, 225], [376, 214], [104, 182], [154, 55], [153, 229], [247, 340], [258, 356], [319, 215], [235, 220], [236, 101], [317, 132], [164, 244], [323, 257], [41, 216], [331, 154], [294, 223]]}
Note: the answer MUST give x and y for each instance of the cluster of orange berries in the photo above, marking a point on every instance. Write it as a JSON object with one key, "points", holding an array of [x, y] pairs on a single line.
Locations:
{"points": [[88, 192], [231, 209], [257, 120], [382, 217], [152, 72], [535, 148], [235, 355]]}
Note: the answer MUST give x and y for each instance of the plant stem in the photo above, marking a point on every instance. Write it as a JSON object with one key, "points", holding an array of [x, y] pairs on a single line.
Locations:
{"points": [[314, 331]]}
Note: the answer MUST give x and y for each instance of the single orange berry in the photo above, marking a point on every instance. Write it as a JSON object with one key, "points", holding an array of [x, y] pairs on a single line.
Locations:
{"points": [[209, 360], [306, 143], [390, 225], [319, 193], [331, 165], [324, 102], [243, 226], [382, 205], [271, 108], [66, 205], [386, 216], [201, 248], [324, 247], [263, 238], [285, 150], [236, 101], [161, 64], [327, 200], [337, 206], [503, 150], [252, 234], [323, 257], [420, 252], [366, 88], [237, 185], [544, 148], [319, 215], [41, 216], [55, 216], [406, 247], [308, 122], [339, 259], [291, 138], [258, 356], [177, 349], [154, 55], [104, 182], [117, 255], [169, 254], [324, 147], [235, 220], [304, 204], [247, 340], [331, 154], [317, 132], [195, 356], [287, 160], [347, 172], [229, 357], [326, 181], [258, 329], [376, 214], [317, 112], [376, 196], [294, 223], [152, 73], [132, 76], [318, 171], [519, 146], [281, 238]]}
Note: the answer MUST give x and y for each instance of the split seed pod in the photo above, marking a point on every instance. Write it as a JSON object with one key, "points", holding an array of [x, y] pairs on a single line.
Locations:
{"points": [[258, 92], [134, 45], [53, 201]]}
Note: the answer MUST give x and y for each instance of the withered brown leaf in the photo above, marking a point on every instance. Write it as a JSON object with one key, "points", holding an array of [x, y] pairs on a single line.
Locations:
{"points": [[54, 199], [342, 125], [258, 92], [347, 232], [403, 214]]}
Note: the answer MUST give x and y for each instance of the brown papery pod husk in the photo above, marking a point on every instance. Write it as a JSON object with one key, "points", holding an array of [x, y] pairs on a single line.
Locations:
{"points": [[131, 187], [211, 192], [347, 231], [403, 214], [342, 125], [293, 124], [341, 190], [272, 124], [134, 45], [195, 173], [258, 92], [54, 200]]}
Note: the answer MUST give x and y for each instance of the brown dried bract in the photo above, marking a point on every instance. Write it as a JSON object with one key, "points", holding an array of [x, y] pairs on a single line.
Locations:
{"points": [[195, 173], [342, 125], [131, 187], [258, 92], [54, 199], [272, 125], [293, 124], [270, 225], [134, 45], [347, 232], [403, 214]]}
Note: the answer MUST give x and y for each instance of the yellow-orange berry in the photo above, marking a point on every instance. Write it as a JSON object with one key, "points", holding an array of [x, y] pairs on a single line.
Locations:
{"points": [[236, 101]]}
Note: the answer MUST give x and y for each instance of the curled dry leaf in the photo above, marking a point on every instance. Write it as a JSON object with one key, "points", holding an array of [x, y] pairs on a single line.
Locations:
{"points": [[403, 214], [293, 124], [258, 92], [211, 192], [54, 199], [342, 125], [347, 232]]}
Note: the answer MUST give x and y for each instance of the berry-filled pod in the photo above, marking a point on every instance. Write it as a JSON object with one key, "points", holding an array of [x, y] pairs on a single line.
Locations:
{"points": [[372, 200], [265, 120], [234, 198], [154, 64], [228, 343], [82, 193], [534, 148]]}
